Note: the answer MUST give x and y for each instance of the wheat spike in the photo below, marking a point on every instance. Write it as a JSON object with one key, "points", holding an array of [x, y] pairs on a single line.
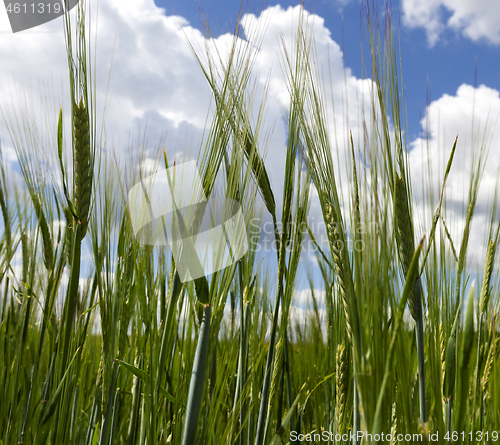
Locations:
{"points": [[25, 253], [488, 270], [489, 364], [341, 384], [404, 223], [48, 254], [394, 426], [276, 369], [442, 344], [82, 164], [100, 382], [333, 235], [404, 234]]}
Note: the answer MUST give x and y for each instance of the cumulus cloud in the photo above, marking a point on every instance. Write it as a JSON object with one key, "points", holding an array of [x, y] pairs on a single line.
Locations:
{"points": [[303, 298], [156, 85], [476, 20], [472, 114]]}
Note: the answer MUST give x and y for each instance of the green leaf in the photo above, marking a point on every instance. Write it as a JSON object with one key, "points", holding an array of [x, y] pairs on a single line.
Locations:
{"points": [[146, 378], [286, 420]]}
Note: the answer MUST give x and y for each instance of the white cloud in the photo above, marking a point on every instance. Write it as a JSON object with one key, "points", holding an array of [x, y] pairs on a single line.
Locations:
{"points": [[156, 85], [476, 20], [303, 298], [155, 80], [471, 114]]}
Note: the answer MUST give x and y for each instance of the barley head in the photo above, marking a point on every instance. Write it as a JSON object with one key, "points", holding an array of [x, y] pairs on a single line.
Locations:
{"points": [[404, 235], [443, 349], [394, 426], [489, 364], [276, 371], [341, 383], [25, 253], [488, 270], [48, 253], [333, 235], [83, 164]]}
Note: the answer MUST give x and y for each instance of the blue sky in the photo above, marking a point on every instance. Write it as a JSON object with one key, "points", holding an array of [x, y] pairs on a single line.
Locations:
{"points": [[436, 67], [155, 84]]}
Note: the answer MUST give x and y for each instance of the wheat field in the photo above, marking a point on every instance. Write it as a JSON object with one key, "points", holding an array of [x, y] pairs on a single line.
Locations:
{"points": [[128, 353]]}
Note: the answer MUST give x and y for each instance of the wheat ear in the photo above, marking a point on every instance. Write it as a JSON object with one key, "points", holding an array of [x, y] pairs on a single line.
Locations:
{"points": [[489, 365], [404, 233], [333, 234], [488, 270], [83, 165], [341, 383]]}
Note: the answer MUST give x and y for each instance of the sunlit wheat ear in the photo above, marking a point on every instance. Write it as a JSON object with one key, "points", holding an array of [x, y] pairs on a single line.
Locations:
{"points": [[333, 235], [83, 165], [488, 270], [341, 383], [394, 427], [442, 345], [100, 381], [489, 365]]}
